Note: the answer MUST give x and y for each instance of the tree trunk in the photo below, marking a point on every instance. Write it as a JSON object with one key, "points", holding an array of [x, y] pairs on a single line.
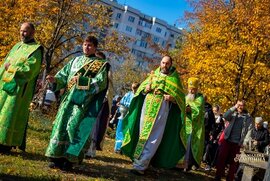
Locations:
{"points": [[48, 59]]}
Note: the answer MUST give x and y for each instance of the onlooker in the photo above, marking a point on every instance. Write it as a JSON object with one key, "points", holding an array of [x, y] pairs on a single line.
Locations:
{"points": [[209, 119], [49, 99], [240, 123], [211, 150], [123, 109], [114, 111], [258, 138], [219, 122]]}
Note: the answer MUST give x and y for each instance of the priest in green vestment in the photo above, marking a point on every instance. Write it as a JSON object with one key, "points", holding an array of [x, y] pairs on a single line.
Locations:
{"points": [[193, 132], [86, 81], [18, 75], [152, 126]]}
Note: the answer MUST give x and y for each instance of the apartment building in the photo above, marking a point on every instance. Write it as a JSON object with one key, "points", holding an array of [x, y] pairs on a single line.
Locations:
{"points": [[134, 24]]}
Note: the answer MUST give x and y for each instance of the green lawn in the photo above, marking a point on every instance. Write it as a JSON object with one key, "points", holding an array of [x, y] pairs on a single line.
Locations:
{"points": [[32, 164]]}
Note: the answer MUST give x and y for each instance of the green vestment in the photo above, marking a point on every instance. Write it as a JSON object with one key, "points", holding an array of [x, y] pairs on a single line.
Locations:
{"points": [[171, 149], [195, 127], [17, 86], [79, 108]]}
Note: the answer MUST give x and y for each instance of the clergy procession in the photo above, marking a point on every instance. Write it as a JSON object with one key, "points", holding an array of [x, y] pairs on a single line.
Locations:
{"points": [[164, 121]]}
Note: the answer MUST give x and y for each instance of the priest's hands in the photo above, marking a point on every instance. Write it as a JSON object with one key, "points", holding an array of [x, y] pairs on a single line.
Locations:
{"points": [[75, 78], [168, 98], [148, 88], [188, 109], [7, 66], [50, 79]]}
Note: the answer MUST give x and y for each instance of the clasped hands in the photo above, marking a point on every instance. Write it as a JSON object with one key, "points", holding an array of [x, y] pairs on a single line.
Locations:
{"points": [[167, 97], [188, 109]]}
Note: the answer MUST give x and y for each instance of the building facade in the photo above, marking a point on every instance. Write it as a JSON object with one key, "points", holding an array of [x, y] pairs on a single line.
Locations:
{"points": [[140, 27]]}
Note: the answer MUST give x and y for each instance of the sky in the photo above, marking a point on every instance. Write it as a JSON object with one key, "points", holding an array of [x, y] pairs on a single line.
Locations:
{"points": [[168, 10]]}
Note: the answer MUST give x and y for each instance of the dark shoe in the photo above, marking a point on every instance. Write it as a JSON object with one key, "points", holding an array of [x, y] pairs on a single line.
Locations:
{"points": [[52, 165], [22, 148], [119, 152], [88, 157], [55, 165], [67, 166], [5, 149], [137, 172]]}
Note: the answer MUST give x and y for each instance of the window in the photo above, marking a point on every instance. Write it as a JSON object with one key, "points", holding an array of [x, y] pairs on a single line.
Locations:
{"points": [[138, 32], [148, 25], [118, 15], [140, 22], [139, 63], [145, 35], [128, 28], [158, 29], [140, 54], [131, 19], [163, 43], [143, 44], [133, 51], [116, 25], [172, 35], [156, 39], [165, 34]]}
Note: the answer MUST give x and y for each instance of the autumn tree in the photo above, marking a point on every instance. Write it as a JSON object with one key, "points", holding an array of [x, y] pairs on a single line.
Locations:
{"points": [[12, 14], [62, 24], [69, 21], [127, 73], [227, 46]]}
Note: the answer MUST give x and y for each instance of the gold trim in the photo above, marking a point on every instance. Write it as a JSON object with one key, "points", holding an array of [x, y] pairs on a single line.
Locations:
{"points": [[81, 87], [9, 74]]}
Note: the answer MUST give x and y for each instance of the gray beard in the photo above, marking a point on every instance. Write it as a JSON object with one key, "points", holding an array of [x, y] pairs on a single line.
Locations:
{"points": [[191, 97], [165, 71]]}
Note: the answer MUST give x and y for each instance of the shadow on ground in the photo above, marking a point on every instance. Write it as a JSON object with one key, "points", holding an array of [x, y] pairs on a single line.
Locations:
{"points": [[117, 169]]}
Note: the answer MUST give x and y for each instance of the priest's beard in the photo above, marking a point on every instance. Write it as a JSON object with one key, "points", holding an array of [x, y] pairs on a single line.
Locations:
{"points": [[165, 70], [191, 97], [26, 39]]}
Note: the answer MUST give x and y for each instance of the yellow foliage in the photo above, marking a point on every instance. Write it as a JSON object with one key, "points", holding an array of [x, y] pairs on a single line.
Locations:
{"points": [[125, 74], [60, 26], [227, 47]]}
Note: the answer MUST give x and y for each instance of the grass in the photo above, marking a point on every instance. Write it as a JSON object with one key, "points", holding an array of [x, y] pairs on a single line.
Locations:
{"points": [[107, 165]]}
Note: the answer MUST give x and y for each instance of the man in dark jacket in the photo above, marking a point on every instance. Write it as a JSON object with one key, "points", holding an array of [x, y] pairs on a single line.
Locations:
{"points": [[258, 136], [240, 123]]}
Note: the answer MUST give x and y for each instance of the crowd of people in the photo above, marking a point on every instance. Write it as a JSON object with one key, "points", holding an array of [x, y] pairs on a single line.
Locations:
{"points": [[156, 122]]}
